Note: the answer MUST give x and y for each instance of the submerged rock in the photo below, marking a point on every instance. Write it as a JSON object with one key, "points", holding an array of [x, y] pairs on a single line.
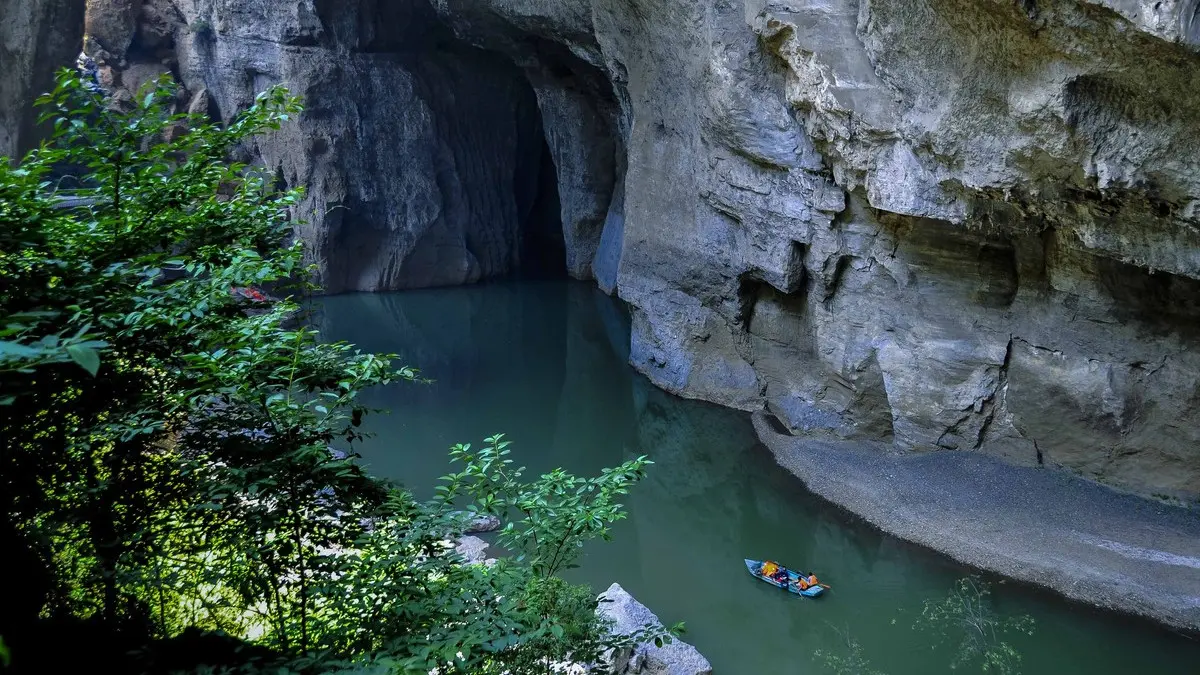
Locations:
{"points": [[629, 615], [477, 523], [472, 549]]}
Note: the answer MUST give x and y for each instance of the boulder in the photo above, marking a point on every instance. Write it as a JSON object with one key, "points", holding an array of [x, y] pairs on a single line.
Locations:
{"points": [[629, 615], [472, 549], [477, 523], [113, 24]]}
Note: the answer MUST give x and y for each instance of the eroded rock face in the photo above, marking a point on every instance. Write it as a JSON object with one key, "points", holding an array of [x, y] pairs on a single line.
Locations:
{"points": [[949, 224], [36, 38], [425, 158]]}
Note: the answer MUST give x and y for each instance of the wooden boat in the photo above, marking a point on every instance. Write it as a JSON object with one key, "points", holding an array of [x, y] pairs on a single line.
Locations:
{"points": [[792, 583]]}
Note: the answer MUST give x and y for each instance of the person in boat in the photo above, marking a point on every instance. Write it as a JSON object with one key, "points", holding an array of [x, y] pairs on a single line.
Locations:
{"points": [[774, 572]]}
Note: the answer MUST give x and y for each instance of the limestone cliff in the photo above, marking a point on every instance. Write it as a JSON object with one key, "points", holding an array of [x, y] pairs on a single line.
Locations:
{"points": [[950, 224], [953, 224], [36, 37]]}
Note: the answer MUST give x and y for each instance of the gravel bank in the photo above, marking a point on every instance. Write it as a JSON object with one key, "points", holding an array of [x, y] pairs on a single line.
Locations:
{"points": [[1045, 527]]}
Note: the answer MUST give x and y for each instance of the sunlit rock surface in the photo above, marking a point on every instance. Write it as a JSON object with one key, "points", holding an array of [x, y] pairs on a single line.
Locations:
{"points": [[947, 224], [628, 616]]}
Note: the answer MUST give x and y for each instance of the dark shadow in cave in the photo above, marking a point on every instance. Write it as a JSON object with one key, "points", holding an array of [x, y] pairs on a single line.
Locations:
{"points": [[471, 192], [542, 250]]}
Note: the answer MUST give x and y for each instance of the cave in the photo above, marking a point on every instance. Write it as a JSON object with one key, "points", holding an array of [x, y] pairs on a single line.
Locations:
{"points": [[542, 248], [433, 157]]}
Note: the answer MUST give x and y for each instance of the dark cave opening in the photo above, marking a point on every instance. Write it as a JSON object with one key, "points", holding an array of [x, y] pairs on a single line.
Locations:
{"points": [[495, 165], [458, 158], [542, 246]]}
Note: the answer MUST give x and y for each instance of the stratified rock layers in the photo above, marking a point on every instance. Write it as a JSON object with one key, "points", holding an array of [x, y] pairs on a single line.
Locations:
{"points": [[948, 224]]}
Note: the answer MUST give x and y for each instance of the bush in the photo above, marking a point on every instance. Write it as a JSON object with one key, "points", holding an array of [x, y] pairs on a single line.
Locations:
{"points": [[168, 432]]}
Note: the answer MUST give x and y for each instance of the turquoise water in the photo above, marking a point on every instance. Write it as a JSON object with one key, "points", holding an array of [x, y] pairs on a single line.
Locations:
{"points": [[545, 363]]}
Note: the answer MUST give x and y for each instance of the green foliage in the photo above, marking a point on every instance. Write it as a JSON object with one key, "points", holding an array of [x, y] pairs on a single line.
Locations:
{"points": [[169, 458], [549, 522], [557, 514], [966, 618], [99, 339], [566, 626]]}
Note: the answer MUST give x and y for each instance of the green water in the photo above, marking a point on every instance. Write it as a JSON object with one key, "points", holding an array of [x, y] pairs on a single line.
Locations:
{"points": [[545, 363]]}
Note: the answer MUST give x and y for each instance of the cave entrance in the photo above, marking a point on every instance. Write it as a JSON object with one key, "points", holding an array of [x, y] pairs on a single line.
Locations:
{"points": [[463, 163], [542, 248]]}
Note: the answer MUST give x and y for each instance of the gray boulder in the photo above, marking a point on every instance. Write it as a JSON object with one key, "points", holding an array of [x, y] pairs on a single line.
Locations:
{"points": [[472, 549], [481, 522], [629, 615]]}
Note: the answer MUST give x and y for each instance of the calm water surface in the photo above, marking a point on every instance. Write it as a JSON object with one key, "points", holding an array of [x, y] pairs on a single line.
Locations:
{"points": [[545, 363]]}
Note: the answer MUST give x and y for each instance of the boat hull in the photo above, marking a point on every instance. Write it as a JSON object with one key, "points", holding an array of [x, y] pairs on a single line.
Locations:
{"points": [[754, 567]]}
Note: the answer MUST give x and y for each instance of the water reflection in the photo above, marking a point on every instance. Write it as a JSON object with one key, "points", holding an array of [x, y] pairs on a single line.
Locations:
{"points": [[546, 364]]}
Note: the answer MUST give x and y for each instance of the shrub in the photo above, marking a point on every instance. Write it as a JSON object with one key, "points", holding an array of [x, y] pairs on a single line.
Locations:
{"points": [[168, 434]]}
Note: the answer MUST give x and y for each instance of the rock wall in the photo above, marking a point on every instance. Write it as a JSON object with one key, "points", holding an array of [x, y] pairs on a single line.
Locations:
{"points": [[425, 157], [947, 223], [36, 38], [950, 224]]}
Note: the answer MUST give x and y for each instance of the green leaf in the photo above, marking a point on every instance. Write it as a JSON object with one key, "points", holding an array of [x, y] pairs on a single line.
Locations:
{"points": [[86, 357], [18, 350]]}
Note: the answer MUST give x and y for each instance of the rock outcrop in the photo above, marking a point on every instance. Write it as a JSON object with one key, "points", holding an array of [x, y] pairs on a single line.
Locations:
{"points": [[944, 224], [628, 616], [36, 38], [472, 549], [425, 158]]}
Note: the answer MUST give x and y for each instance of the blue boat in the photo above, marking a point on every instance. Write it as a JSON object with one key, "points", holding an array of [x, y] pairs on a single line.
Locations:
{"points": [[789, 580]]}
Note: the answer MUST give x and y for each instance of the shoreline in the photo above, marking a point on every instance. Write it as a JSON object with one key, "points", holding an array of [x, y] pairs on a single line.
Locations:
{"points": [[1077, 538]]}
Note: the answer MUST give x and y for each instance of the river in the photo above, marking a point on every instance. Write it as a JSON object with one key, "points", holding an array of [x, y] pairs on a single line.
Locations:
{"points": [[545, 364]]}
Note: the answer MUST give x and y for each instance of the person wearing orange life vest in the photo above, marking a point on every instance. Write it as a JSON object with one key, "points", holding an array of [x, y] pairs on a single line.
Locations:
{"points": [[773, 571]]}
